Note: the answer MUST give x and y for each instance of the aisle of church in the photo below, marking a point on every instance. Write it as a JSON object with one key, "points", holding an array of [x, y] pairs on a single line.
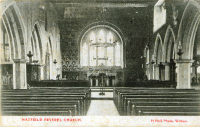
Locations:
{"points": [[102, 108]]}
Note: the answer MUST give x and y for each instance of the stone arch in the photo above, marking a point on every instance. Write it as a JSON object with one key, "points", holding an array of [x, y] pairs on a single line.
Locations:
{"points": [[50, 39], [12, 19], [168, 45], [106, 25], [50, 42], [10, 37], [158, 46], [48, 62], [188, 27], [186, 36], [37, 29]]}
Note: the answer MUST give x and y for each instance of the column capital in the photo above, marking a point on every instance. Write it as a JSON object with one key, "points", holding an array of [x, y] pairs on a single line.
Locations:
{"points": [[184, 61], [19, 60]]}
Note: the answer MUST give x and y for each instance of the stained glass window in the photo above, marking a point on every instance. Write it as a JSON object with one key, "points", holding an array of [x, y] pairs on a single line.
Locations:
{"points": [[110, 56], [85, 54], [100, 49], [92, 56], [92, 38], [101, 37], [110, 38], [117, 54]]}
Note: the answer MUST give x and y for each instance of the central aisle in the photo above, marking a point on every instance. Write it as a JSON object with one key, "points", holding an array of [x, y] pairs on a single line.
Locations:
{"points": [[102, 108]]}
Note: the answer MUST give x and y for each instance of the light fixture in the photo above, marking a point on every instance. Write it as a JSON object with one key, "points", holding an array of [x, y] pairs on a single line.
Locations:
{"points": [[152, 60], [30, 56], [54, 61], [180, 52]]}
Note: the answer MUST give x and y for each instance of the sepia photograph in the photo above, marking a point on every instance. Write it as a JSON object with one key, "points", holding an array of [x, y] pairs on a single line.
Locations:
{"points": [[100, 63]]}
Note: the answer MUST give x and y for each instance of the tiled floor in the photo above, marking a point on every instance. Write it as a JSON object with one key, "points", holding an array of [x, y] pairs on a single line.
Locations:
{"points": [[102, 108]]}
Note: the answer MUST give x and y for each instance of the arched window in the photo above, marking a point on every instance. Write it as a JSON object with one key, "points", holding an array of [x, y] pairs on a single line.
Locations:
{"points": [[101, 46], [101, 37], [110, 38], [117, 54], [6, 48], [85, 54], [92, 38]]}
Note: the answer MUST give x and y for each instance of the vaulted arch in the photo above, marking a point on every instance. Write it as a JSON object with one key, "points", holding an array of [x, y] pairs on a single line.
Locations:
{"points": [[168, 45], [187, 28], [158, 49], [14, 25]]}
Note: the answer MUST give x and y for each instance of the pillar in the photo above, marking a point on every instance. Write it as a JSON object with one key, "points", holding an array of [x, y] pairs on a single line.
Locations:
{"points": [[42, 71], [113, 81], [167, 71], [107, 80], [91, 81], [19, 74], [156, 72], [97, 82], [148, 71], [152, 72], [183, 73]]}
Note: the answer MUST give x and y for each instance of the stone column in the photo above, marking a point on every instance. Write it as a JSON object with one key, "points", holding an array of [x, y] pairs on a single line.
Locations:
{"points": [[91, 81], [113, 81], [148, 71], [97, 81], [152, 71], [19, 74], [183, 73], [107, 80], [156, 71], [167, 71]]}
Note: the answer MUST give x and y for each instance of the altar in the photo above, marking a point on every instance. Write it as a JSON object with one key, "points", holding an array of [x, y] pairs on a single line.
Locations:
{"points": [[95, 78]]}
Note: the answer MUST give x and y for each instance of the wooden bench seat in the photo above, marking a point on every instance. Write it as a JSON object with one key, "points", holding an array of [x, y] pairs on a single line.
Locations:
{"points": [[155, 98], [72, 101], [40, 99], [47, 106], [140, 110], [122, 96], [68, 112], [154, 113], [118, 95], [154, 101]]}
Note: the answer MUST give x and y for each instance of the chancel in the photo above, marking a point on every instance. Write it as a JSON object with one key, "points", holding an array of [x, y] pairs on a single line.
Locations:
{"points": [[81, 58]]}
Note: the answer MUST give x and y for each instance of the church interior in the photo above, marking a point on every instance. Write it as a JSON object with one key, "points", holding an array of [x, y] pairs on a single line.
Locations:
{"points": [[74, 57]]}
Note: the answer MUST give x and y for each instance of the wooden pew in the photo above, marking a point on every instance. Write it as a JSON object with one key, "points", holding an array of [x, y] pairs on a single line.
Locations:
{"points": [[136, 108], [118, 99], [73, 101], [121, 95]]}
